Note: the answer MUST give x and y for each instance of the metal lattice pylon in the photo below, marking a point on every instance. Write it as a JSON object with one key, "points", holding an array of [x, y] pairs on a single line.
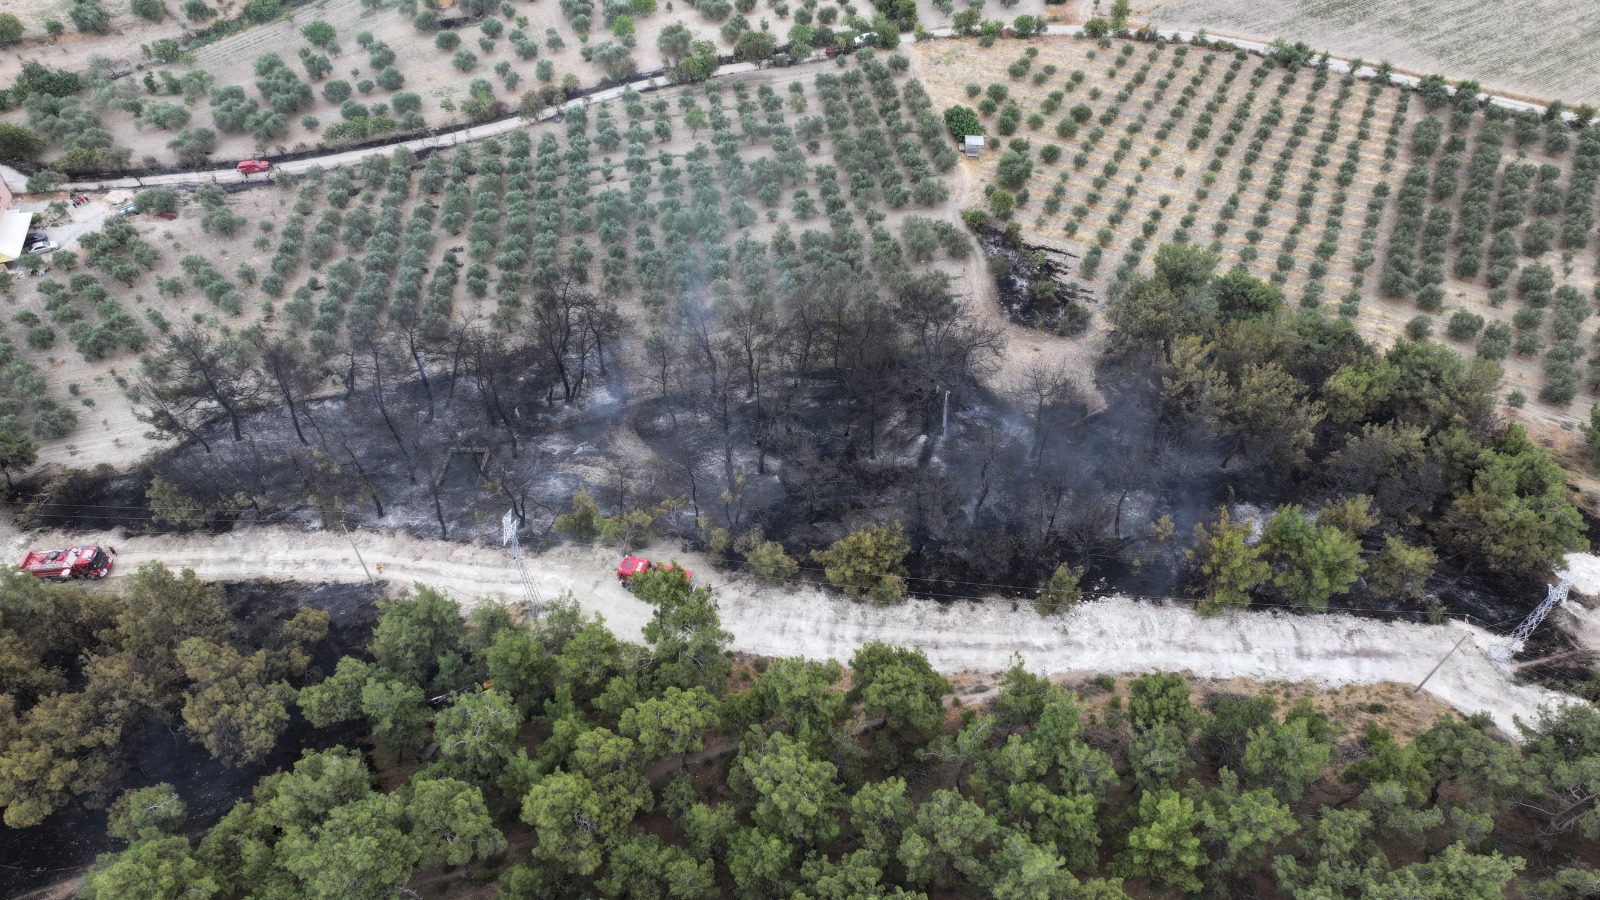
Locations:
{"points": [[509, 525], [1508, 648]]}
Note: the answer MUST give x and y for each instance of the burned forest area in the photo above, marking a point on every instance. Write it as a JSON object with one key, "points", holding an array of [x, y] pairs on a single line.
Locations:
{"points": [[803, 424]]}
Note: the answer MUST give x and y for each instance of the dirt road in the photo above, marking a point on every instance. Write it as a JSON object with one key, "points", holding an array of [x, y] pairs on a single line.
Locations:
{"points": [[1121, 635], [334, 159], [464, 571], [1115, 635]]}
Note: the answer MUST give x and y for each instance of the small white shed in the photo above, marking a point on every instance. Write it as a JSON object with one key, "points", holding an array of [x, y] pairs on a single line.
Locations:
{"points": [[972, 146]]}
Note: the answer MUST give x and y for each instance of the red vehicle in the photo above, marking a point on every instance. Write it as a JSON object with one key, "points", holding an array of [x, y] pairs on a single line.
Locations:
{"points": [[66, 565], [633, 565], [252, 166]]}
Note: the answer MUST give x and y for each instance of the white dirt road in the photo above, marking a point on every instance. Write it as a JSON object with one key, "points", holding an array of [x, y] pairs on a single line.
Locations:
{"points": [[466, 572], [1115, 635], [1120, 635], [1576, 615]]}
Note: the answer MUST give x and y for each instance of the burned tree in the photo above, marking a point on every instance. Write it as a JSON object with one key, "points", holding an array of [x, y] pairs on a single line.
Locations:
{"points": [[194, 378], [945, 348], [660, 359], [567, 328], [492, 365], [1046, 389], [374, 352], [418, 346], [711, 369], [284, 363]]}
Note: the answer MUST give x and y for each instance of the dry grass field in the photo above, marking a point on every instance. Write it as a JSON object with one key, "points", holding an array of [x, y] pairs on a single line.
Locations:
{"points": [[1540, 49], [1296, 174]]}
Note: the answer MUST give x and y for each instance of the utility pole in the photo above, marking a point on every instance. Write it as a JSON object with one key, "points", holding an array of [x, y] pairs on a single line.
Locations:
{"points": [[1441, 662], [357, 550], [510, 524], [1503, 652]]}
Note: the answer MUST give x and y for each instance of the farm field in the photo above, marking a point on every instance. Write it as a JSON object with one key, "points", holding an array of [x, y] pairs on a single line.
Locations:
{"points": [[1302, 177], [71, 50], [628, 200], [1540, 49], [428, 71], [381, 72]]}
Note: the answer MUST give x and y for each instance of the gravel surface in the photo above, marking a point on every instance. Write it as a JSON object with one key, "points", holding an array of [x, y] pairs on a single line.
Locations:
{"points": [[1115, 635]]}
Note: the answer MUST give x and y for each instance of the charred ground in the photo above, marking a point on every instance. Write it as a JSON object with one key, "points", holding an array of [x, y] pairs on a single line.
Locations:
{"points": [[991, 499]]}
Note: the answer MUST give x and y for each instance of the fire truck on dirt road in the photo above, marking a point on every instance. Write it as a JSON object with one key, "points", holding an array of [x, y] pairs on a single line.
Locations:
{"points": [[634, 565], [92, 563]]}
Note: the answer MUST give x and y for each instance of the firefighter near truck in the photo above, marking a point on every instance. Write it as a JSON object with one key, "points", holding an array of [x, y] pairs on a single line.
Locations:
{"points": [[92, 563]]}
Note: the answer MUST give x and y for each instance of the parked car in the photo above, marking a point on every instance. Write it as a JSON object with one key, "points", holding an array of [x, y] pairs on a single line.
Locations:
{"points": [[865, 38], [252, 166], [44, 247], [35, 237], [129, 209]]}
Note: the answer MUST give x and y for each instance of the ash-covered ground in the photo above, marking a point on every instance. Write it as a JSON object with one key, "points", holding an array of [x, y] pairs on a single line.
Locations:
{"points": [[993, 491]]}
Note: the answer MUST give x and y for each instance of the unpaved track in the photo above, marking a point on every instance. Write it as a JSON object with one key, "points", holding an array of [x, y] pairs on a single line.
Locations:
{"points": [[463, 571], [1119, 635], [1115, 635]]}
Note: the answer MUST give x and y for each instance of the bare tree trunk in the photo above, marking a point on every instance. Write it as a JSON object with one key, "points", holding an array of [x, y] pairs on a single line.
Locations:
{"points": [[294, 416], [350, 375], [281, 376], [366, 481], [489, 389], [455, 365], [377, 394], [983, 489], [438, 511], [422, 370], [435, 480]]}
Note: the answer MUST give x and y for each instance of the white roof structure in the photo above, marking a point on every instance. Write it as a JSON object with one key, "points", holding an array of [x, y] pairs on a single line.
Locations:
{"points": [[13, 233]]}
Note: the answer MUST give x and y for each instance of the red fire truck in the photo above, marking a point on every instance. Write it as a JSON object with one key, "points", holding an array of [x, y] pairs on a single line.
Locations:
{"points": [[73, 563], [633, 565]]}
